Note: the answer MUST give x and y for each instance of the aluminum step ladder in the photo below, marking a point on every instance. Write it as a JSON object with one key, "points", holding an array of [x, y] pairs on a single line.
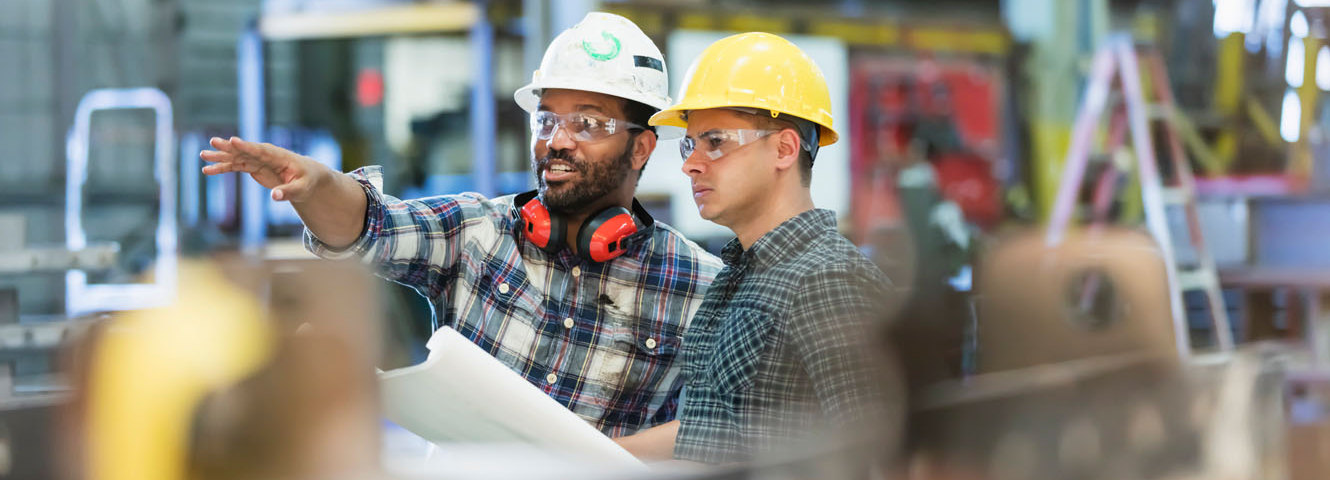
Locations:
{"points": [[1121, 59]]}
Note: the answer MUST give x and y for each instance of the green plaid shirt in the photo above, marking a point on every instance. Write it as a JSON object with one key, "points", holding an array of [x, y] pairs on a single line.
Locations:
{"points": [[778, 350]]}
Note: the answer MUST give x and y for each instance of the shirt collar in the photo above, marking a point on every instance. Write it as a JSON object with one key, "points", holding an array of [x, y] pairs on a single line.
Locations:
{"points": [[784, 242]]}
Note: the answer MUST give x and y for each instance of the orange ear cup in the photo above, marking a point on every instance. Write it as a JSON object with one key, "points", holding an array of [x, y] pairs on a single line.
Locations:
{"points": [[603, 236], [542, 229]]}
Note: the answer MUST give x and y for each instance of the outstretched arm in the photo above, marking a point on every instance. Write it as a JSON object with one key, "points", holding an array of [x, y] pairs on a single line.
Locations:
{"points": [[332, 205]]}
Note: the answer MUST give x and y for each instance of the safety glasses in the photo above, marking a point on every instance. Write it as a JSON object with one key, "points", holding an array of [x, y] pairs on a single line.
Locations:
{"points": [[719, 143], [582, 127]]}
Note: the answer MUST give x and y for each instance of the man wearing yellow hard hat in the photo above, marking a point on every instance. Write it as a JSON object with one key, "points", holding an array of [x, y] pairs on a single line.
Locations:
{"points": [[779, 351]]}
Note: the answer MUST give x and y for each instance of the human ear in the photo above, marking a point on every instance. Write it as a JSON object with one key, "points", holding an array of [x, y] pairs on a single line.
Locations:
{"points": [[643, 144], [787, 148]]}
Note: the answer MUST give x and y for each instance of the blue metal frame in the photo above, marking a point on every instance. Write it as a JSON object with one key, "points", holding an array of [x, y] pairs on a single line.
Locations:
{"points": [[190, 203], [253, 197], [483, 116]]}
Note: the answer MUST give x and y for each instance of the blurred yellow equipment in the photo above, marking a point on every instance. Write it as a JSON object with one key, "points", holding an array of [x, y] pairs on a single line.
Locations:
{"points": [[258, 370], [755, 70], [152, 368]]}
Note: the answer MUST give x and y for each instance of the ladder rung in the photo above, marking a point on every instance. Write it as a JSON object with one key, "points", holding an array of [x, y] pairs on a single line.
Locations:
{"points": [[1174, 196], [1156, 111], [1198, 279], [1211, 358]]}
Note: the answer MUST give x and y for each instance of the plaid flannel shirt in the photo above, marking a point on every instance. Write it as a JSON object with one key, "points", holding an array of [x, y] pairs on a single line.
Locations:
{"points": [[779, 350], [600, 338]]}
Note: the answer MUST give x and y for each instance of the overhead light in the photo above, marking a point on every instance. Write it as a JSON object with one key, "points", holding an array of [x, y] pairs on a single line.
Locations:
{"points": [[1297, 59], [1323, 69], [1297, 26], [1234, 16], [1290, 119]]}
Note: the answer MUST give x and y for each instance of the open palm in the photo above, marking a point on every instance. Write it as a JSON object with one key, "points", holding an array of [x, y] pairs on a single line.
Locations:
{"points": [[289, 175]]}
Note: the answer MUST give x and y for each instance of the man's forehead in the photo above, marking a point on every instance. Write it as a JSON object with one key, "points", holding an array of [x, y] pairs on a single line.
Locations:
{"points": [[564, 99], [700, 121]]}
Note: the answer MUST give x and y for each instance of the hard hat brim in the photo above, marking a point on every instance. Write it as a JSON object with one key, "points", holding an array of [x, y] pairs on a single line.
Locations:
{"points": [[528, 97], [674, 117]]}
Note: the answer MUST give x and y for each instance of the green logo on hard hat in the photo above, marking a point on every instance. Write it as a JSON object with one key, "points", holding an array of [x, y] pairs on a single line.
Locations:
{"points": [[608, 49]]}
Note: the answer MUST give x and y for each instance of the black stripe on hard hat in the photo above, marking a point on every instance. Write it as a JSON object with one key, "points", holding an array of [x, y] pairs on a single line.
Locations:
{"points": [[649, 62]]}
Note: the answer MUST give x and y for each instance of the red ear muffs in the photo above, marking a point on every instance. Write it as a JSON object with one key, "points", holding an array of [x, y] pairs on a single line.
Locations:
{"points": [[602, 237], [542, 229]]}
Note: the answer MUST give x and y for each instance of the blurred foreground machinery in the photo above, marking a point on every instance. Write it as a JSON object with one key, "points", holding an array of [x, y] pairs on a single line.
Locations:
{"points": [[1079, 377], [265, 370], [259, 370]]}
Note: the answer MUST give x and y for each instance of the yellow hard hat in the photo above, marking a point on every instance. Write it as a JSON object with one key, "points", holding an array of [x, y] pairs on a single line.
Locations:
{"points": [[754, 70]]}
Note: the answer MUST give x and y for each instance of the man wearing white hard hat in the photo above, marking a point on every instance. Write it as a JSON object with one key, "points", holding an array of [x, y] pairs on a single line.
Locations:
{"points": [[573, 285]]}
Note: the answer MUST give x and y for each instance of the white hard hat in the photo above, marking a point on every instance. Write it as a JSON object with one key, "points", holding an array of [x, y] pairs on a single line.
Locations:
{"points": [[604, 53]]}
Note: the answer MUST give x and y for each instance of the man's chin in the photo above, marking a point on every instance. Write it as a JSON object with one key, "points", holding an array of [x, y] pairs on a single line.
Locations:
{"points": [[552, 190], [705, 213], [557, 200]]}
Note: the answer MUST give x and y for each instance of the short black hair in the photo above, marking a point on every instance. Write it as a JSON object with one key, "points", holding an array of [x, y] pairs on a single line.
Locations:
{"points": [[639, 113]]}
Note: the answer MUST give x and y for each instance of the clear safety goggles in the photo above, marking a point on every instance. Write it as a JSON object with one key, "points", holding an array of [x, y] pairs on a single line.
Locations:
{"points": [[582, 127], [719, 143]]}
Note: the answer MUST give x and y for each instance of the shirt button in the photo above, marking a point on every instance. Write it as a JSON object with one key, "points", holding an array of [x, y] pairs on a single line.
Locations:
{"points": [[577, 271], [568, 323], [503, 288], [651, 343], [551, 378]]}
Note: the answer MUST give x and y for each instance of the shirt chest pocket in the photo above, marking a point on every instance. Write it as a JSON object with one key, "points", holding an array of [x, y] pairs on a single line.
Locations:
{"points": [[740, 343], [638, 354], [504, 293]]}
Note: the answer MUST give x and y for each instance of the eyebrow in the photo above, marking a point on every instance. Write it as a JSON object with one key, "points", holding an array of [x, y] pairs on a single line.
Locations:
{"points": [[708, 132], [581, 108], [596, 108]]}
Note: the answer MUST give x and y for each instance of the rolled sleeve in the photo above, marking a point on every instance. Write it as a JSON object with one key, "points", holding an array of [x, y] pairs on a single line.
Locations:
{"points": [[371, 181]]}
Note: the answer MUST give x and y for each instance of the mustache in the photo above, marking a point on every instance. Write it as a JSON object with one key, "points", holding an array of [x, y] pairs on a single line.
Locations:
{"points": [[564, 155]]}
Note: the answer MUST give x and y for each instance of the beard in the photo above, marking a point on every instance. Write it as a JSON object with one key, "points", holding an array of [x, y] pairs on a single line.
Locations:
{"points": [[597, 179]]}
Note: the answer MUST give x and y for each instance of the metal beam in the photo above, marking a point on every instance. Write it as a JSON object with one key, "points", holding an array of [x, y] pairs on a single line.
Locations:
{"points": [[484, 118], [253, 123], [406, 19]]}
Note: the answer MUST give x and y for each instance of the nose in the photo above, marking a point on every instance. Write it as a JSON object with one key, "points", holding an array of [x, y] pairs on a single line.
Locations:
{"points": [[695, 164], [561, 139]]}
